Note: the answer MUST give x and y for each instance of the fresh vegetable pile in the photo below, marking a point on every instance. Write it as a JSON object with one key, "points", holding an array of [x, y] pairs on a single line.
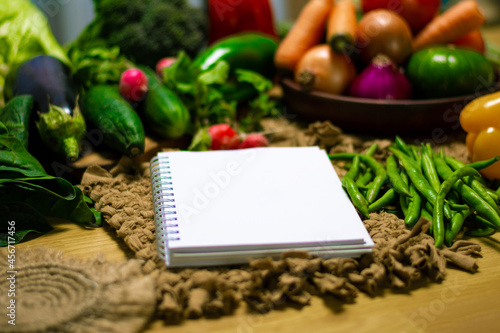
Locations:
{"points": [[388, 49], [139, 68], [27, 193], [419, 182]]}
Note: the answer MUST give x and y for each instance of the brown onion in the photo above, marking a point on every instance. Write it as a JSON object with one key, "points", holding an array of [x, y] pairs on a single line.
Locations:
{"points": [[323, 70], [382, 31]]}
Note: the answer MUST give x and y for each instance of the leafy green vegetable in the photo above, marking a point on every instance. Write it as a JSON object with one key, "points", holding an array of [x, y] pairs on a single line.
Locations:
{"points": [[98, 65], [203, 94], [262, 105], [24, 33], [50, 196], [24, 220], [27, 192], [201, 140], [15, 160], [16, 117], [199, 90]]}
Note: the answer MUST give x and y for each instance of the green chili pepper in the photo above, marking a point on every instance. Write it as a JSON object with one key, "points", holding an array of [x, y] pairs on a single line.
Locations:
{"points": [[455, 225], [358, 200], [477, 221], [474, 182], [364, 178], [416, 156], [371, 150], [454, 197], [354, 169], [414, 207], [428, 168], [401, 145], [479, 165], [471, 197], [480, 232], [387, 198], [457, 207], [438, 218], [493, 195], [377, 168], [403, 201], [425, 213], [395, 178], [418, 179]]}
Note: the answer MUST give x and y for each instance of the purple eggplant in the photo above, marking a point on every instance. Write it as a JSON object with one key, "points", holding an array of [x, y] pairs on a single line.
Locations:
{"points": [[57, 115]]}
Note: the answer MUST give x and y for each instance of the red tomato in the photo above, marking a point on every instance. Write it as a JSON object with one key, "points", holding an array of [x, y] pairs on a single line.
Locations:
{"points": [[416, 12]]}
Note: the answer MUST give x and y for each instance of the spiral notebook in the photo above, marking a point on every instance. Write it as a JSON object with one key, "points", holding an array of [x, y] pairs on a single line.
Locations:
{"points": [[224, 207]]}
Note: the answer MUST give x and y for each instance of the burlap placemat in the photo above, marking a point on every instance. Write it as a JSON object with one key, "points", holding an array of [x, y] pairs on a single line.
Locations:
{"points": [[46, 291], [400, 258]]}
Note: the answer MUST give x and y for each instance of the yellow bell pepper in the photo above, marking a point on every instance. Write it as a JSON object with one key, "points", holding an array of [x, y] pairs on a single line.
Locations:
{"points": [[481, 120]]}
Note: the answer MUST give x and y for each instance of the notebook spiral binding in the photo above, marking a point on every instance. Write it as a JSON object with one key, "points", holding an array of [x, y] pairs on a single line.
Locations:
{"points": [[165, 214]]}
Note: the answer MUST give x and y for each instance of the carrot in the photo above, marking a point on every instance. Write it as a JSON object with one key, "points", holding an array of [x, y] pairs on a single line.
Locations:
{"points": [[307, 31], [341, 27], [473, 40], [455, 22]]}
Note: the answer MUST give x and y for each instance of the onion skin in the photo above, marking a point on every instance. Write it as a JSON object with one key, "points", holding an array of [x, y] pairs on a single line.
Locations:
{"points": [[382, 31], [381, 80], [323, 70]]}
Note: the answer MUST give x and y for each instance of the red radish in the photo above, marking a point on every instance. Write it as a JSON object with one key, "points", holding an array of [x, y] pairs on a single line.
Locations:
{"points": [[254, 140], [165, 62], [133, 85], [223, 137]]}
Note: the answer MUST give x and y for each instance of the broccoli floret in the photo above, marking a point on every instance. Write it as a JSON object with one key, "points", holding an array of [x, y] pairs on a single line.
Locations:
{"points": [[148, 30]]}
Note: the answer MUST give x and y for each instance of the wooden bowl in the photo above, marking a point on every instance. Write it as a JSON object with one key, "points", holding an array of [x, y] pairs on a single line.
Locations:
{"points": [[374, 116]]}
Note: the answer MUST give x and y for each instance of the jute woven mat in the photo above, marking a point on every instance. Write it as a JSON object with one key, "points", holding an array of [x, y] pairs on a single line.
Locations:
{"points": [[54, 293], [400, 258]]}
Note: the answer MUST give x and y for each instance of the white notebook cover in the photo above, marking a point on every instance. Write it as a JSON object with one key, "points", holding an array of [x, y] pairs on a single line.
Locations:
{"points": [[239, 203]]}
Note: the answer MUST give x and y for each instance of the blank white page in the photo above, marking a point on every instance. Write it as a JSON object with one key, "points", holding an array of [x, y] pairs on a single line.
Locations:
{"points": [[259, 198]]}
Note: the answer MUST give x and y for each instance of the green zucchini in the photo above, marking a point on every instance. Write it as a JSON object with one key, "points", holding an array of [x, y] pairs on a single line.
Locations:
{"points": [[107, 111], [162, 110]]}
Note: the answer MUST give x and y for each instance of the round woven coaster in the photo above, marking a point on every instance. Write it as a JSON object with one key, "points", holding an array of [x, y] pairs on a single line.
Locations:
{"points": [[49, 292]]}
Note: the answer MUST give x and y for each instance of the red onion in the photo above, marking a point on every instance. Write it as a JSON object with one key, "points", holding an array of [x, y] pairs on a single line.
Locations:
{"points": [[381, 80]]}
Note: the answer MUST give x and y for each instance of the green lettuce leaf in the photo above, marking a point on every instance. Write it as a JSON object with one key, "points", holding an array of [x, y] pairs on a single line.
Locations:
{"points": [[24, 34]]}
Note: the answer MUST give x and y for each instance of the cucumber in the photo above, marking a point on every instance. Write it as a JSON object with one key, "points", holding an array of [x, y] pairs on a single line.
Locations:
{"points": [[162, 110], [107, 111]]}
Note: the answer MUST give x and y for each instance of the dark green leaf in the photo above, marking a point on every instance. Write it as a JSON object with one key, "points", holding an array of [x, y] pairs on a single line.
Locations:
{"points": [[98, 65], [201, 140], [216, 75], [23, 220], [15, 116], [16, 160], [258, 81], [69, 206], [180, 72]]}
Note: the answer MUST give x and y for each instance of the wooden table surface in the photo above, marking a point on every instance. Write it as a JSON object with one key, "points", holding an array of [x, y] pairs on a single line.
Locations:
{"points": [[463, 302]]}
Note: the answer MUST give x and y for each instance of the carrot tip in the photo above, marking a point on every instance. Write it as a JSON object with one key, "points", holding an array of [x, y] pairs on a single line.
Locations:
{"points": [[342, 44]]}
